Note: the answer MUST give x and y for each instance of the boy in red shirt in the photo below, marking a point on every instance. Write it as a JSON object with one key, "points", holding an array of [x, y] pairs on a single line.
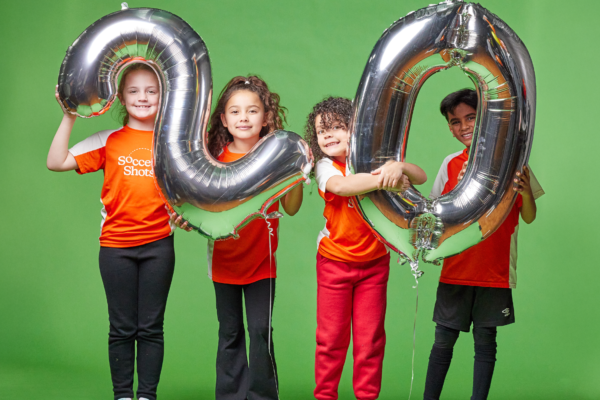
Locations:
{"points": [[475, 285], [352, 265]]}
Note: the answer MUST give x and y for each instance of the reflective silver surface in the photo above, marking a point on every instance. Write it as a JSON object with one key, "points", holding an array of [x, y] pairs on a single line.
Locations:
{"points": [[430, 40], [217, 199]]}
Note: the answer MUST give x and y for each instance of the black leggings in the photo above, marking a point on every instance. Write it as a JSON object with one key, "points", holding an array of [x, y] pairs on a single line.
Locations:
{"points": [[235, 380], [137, 281], [441, 356]]}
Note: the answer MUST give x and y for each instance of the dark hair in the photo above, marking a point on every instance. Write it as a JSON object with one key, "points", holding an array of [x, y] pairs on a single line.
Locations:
{"points": [[219, 136], [450, 102], [332, 110], [123, 116]]}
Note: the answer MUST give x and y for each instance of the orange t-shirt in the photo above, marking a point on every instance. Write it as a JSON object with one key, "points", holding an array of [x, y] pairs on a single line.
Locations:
{"points": [[488, 263], [133, 212], [246, 259], [346, 236]]}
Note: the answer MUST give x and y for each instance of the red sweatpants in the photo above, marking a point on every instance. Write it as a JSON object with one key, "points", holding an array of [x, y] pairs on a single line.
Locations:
{"points": [[350, 293]]}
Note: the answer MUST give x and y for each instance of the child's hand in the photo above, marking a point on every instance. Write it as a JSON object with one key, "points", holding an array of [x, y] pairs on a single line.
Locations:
{"points": [[177, 220], [462, 171], [522, 184], [405, 183], [390, 176], [65, 112]]}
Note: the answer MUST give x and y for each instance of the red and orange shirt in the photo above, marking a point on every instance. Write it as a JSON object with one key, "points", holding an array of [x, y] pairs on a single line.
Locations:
{"points": [[346, 236], [493, 262], [246, 259], [133, 213]]}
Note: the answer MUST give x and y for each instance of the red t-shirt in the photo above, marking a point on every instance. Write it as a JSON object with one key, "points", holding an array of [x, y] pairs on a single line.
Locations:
{"points": [[488, 263], [346, 236], [246, 259], [133, 213]]}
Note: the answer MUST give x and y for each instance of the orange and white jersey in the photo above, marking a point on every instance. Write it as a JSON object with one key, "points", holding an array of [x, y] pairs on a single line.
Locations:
{"points": [[133, 213], [246, 259], [346, 236], [493, 262]]}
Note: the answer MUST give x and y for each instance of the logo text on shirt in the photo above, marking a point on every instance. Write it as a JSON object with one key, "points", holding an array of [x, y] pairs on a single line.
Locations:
{"points": [[133, 166]]}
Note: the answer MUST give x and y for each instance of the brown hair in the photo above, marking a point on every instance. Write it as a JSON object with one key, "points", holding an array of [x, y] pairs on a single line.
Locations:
{"points": [[219, 136], [450, 102], [123, 116], [332, 110]]}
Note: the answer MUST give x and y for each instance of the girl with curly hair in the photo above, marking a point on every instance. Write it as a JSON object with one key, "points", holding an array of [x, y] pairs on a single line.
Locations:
{"points": [[352, 265], [246, 268]]}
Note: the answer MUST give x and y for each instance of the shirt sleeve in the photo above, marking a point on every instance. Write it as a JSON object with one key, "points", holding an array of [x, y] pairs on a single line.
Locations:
{"points": [[442, 177], [536, 188], [323, 171], [90, 153], [440, 182]]}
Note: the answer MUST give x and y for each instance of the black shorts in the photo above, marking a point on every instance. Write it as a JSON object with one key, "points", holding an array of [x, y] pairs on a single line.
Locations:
{"points": [[457, 306]]}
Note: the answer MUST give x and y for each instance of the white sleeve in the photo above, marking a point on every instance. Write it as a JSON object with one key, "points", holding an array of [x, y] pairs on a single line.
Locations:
{"points": [[323, 171], [440, 182], [536, 188], [91, 143], [442, 176]]}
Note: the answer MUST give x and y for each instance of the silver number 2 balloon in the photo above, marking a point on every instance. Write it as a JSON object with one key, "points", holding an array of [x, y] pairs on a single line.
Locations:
{"points": [[217, 199], [433, 39]]}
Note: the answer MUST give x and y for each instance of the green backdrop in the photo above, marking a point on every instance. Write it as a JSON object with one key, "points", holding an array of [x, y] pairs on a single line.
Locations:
{"points": [[54, 323]]}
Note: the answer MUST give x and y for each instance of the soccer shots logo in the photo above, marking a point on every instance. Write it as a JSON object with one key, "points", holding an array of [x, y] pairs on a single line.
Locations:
{"points": [[135, 163]]}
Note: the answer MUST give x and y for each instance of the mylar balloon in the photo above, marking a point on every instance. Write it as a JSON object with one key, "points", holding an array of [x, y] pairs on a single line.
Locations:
{"points": [[217, 199], [430, 40]]}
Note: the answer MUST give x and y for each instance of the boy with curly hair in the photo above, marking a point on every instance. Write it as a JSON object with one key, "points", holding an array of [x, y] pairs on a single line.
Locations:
{"points": [[352, 265]]}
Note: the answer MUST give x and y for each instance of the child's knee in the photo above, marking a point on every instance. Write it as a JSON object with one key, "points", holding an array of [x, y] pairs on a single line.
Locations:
{"points": [[231, 331], [258, 329], [484, 335], [445, 337]]}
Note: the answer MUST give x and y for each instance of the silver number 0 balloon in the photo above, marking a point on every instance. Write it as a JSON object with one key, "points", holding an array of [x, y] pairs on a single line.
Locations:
{"points": [[216, 198], [433, 39]]}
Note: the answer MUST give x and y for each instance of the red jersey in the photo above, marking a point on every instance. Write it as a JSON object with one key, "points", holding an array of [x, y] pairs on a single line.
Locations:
{"points": [[246, 259], [133, 213], [346, 236], [492, 262]]}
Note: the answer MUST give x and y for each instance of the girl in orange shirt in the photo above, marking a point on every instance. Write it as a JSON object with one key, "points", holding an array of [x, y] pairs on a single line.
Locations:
{"points": [[244, 269], [136, 254]]}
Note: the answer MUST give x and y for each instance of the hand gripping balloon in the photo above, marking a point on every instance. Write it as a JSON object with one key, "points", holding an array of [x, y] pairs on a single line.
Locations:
{"points": [[433, 39], [216, 199]]}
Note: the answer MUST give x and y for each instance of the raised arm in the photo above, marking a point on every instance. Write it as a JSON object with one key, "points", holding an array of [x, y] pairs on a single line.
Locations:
{"points": [[529, 208], [59, 159]]}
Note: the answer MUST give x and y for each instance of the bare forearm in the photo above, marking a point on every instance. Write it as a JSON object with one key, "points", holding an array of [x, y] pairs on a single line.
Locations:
{"points": [[59, 158], [528, 209], [292, 201], [352, 185], [415, 174]]}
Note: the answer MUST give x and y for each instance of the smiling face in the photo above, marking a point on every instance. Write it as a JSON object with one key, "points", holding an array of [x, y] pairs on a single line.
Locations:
{"points": [[244, 116], [141, 97], [461, 122], [333, 141]]}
